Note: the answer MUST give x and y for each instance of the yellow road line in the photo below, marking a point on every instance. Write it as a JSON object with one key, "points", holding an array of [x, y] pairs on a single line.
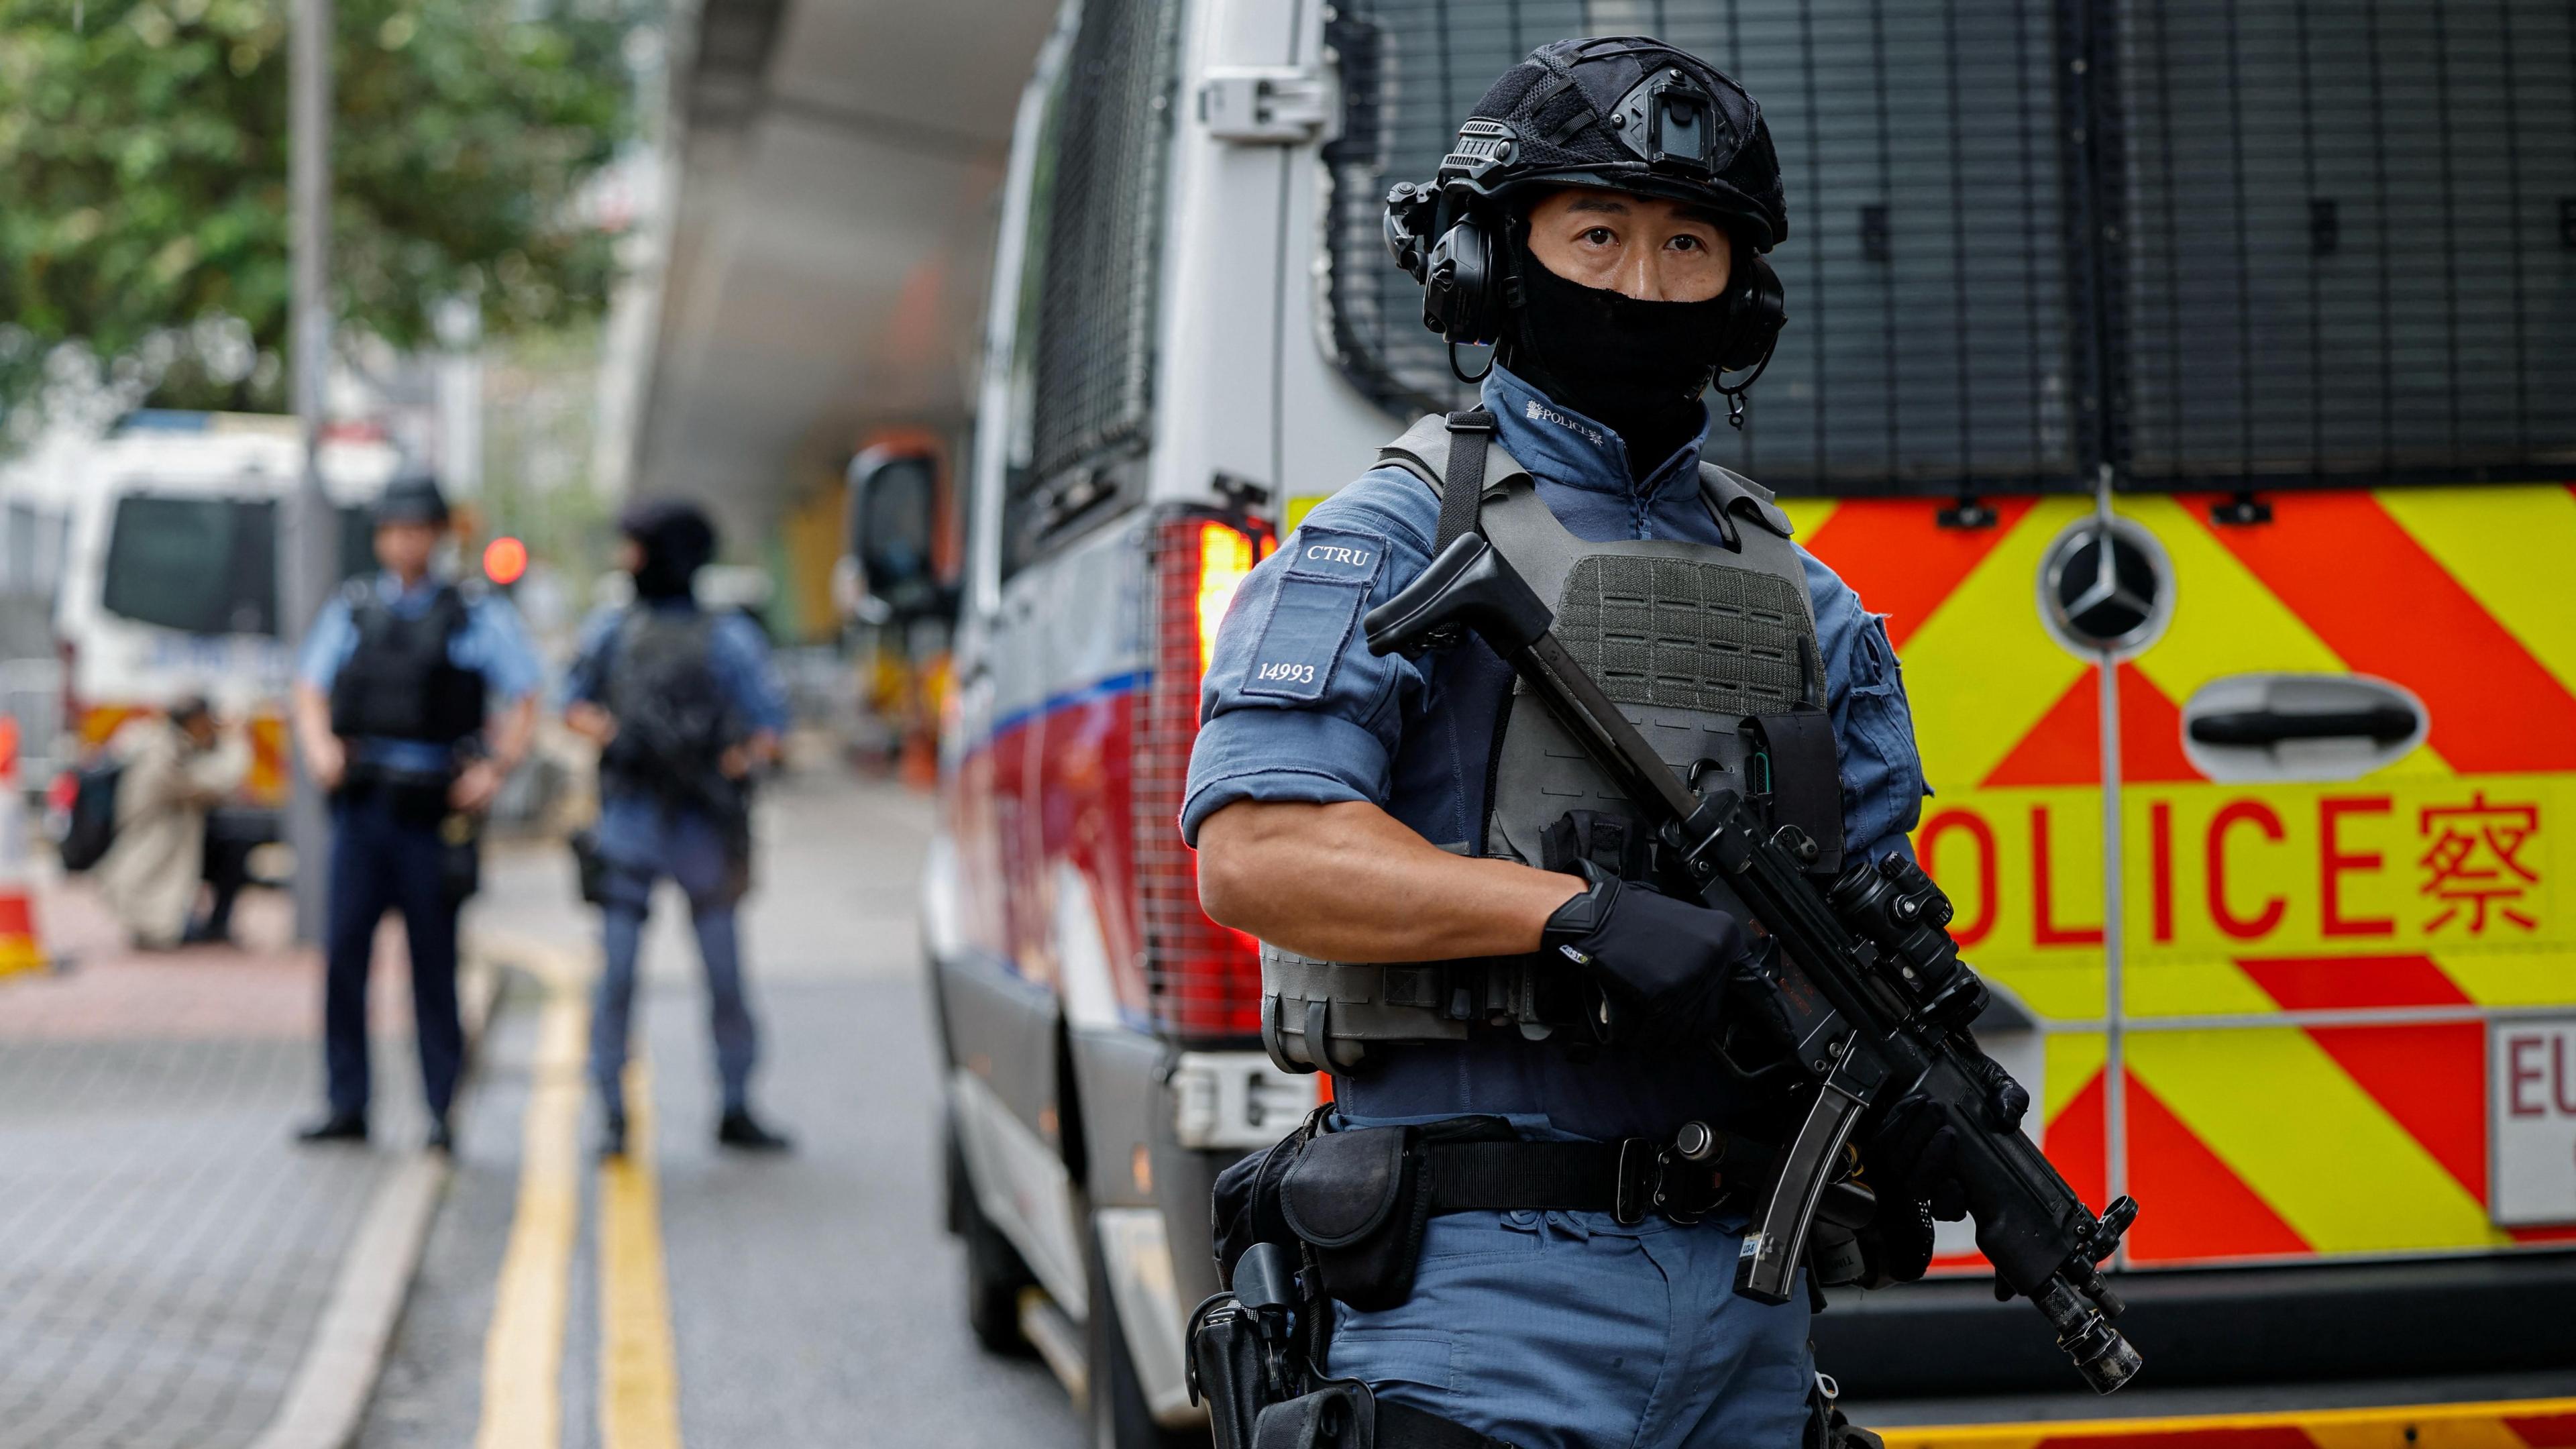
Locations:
{"points": [[2422, 1426], [523, 1348], [639, 1381]]}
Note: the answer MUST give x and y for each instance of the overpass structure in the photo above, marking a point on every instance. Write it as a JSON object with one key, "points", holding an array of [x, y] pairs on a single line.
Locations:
{"points": [[838, 164]]}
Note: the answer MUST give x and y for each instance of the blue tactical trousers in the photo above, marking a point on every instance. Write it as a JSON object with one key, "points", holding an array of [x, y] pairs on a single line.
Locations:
{"points": [[644, 843], [379, 863], [1568, 1331]]}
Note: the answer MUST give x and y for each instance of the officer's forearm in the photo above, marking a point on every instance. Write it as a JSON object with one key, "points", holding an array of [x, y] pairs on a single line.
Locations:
{"points": [[1349, 882], [312, 719], [511, 731]]}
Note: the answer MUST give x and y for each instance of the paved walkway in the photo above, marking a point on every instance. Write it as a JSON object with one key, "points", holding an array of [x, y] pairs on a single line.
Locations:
{"points": [[166, 1254], [697, 1296]]}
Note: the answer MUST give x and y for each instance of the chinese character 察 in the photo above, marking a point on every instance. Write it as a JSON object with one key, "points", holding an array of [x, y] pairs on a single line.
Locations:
{"points": [[2474, 861]]}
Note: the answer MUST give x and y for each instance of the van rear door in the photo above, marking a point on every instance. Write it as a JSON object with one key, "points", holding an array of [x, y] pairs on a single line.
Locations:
{"points": [[2347, 443]]}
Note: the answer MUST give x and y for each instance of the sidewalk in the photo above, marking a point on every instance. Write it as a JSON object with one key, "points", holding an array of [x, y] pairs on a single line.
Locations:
{"points": [[167, 1255]]}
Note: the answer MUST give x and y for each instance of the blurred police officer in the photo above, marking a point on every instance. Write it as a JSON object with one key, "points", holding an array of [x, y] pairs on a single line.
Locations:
{"points": [[1602, 220], [415, 698], [684, 705]]}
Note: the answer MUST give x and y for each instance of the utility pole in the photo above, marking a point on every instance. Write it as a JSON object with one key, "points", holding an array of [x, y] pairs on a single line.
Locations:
{"points": [[309, 550]]}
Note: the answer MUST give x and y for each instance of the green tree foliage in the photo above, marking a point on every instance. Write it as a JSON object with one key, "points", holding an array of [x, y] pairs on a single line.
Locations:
{"points": [[143, 177]]}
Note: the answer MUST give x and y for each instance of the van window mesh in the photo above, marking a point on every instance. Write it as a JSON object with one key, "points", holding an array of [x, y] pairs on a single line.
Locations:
{"points": [[2367, 278], [1927, 339], [1100, 191], [2353, 253]]}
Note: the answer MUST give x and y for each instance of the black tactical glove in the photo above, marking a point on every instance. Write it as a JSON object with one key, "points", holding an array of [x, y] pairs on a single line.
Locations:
{"points": [[1896, 1247], [1663, 963], [1912, 1156]]}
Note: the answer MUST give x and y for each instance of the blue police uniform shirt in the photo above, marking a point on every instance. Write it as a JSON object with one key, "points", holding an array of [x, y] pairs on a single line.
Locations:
{"points": [[493, 643], [631, 827], [1296, 708]]}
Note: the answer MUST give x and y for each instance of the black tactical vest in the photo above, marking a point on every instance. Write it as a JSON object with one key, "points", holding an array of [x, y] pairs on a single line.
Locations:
{"points": [[400, 683], [1691, 640]]}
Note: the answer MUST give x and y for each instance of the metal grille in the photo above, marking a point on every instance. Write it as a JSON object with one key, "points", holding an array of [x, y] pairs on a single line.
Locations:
{"points": [[2202, 241], [1927, 344], [2351, 257], [1099, 190]]}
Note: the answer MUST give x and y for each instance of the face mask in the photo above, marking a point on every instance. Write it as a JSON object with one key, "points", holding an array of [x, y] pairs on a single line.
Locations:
{"points": [[1637, 366]]}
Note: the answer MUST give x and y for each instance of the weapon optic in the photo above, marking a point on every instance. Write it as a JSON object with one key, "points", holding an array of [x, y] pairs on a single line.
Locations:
{"points": [[1870, 982]]}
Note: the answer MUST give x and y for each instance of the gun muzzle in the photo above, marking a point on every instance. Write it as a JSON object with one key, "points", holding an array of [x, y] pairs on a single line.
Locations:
{"points": [[2101, 1354]]}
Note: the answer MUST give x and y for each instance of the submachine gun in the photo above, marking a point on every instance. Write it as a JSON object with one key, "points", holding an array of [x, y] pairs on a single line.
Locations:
{"points": [[1871, 985]]}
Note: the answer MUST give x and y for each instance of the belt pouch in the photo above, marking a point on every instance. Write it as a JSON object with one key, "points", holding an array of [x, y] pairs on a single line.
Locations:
{"points": [[1244, 1209], [1356, 1198]]}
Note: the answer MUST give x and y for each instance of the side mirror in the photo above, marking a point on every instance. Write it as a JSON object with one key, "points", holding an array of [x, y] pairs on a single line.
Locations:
{"points": [[894, 532]]}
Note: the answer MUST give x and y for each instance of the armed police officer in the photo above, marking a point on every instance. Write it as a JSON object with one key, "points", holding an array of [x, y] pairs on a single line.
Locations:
{"points": [[415, 699], [684, 706], [1449, 891]]}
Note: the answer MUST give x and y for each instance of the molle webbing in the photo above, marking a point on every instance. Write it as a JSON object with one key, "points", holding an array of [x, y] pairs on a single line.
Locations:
{"points": [[1685, 634], [1354, 1008]]}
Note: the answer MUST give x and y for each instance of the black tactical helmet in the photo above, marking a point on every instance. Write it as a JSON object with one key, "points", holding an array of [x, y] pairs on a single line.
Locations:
{"points": [[1624, 113], [412, 498], [1627, 113]]}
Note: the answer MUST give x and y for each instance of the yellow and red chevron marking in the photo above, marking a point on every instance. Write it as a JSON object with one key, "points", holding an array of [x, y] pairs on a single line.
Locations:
{"points": [[2411, 903], [270, 773], [271, 770], [2521, 1424]]}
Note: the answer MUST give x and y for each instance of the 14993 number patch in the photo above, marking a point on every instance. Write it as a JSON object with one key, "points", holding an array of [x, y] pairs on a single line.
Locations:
{"points": [[1327, 582]]}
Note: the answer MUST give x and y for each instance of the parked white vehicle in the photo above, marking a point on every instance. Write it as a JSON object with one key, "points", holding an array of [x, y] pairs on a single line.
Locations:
{"points": [[171, 583], [1196, 332]]}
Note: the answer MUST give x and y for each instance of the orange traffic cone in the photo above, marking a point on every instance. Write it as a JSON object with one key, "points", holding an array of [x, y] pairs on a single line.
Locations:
{"points": [[19, 950]]}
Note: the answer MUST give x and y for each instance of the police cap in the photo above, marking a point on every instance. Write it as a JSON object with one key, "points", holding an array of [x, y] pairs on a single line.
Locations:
{"points": [[412, 498]]}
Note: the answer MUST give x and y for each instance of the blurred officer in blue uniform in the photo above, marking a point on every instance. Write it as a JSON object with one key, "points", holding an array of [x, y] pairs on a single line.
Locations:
{"points": [[415, 698], [1602, 218], [684, 705]]}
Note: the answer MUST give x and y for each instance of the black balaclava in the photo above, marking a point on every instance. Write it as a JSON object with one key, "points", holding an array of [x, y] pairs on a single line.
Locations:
{"points": [[677, 541], [1637, 367]]}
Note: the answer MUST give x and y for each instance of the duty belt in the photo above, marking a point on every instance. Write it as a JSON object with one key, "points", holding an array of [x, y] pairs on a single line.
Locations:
{"points": [[1697, 1173]]}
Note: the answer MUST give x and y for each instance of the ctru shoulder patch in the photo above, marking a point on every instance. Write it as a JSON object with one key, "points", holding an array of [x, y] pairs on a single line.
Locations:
{"points": [[1329, 573]]}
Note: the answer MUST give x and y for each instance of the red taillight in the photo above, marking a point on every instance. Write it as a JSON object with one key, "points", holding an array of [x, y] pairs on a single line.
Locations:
{"points": [[1204, 980]]}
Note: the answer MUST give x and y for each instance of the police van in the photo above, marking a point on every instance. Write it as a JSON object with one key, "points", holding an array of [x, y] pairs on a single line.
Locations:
{"points": [[2187, 383], [170, 583]]}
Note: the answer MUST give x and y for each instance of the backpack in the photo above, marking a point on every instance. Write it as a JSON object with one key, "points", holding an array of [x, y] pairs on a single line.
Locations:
{"points": [[88, 826], [674, 719]]}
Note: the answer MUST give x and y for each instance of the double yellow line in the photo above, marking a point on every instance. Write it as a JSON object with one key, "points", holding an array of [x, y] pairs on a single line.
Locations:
{"points": [[639, 1398]]}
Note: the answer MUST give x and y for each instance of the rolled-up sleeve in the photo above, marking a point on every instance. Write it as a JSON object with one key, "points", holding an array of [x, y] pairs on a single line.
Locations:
{"points": [[750, 674], [1882, 774], [327, 644], [1294, 706], [495, 644]]}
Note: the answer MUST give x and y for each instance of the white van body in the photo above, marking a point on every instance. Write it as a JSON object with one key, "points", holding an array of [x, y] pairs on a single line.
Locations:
{"points": [[1087, 1131], [170, 587], [1167, 388]]}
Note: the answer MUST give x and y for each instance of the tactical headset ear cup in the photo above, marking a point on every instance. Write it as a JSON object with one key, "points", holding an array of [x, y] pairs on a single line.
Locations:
{"points": [[1463, 285], [1757, 309]]}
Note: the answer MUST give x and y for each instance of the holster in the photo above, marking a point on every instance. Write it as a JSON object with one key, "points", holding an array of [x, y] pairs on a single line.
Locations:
{"points": [[460, 855], [1827, 1428], [590, 868]]}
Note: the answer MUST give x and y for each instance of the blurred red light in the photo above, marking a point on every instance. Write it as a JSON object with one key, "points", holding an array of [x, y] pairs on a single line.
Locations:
{"points": [[504, 560]]}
